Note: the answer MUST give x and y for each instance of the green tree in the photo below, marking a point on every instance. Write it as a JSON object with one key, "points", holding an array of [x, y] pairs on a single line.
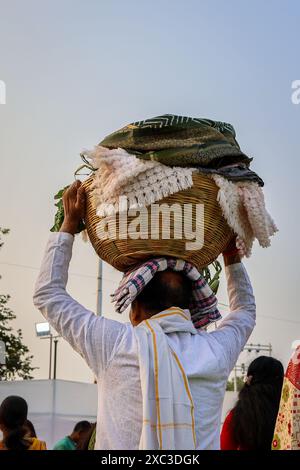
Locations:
{"points": [[17, 357], [230, 384]]}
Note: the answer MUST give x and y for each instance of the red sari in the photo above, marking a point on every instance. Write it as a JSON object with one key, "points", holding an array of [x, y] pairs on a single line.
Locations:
{"points": [[287, 429], [227, 439]]}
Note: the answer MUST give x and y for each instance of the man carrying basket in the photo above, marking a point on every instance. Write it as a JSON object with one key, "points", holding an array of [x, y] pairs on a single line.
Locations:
{"points": [[161, 381]]}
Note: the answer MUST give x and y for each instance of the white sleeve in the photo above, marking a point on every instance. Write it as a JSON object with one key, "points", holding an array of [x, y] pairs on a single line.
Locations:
{"points": [[94, 338], [235, 329]]}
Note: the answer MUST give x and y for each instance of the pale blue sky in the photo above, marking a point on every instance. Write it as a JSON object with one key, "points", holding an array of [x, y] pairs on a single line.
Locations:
{"points": [[77, 70]]}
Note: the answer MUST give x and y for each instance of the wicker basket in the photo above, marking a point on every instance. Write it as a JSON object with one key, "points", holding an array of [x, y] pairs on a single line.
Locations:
{"points": [[126, 253]]}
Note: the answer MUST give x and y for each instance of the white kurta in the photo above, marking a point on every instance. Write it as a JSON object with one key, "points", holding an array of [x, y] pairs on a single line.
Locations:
{"points": [[110, 350]]}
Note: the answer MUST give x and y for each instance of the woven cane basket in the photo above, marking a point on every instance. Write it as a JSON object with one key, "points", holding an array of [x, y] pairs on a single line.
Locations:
{"points": [[126, 253]]}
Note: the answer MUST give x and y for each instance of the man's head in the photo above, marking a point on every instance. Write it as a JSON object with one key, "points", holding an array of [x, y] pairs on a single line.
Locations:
{"points": [[166, 289], [80, 430]]}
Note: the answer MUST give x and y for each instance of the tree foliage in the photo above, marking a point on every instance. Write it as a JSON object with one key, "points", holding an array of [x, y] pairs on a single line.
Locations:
{"points": [[18, 359], [230, 384]]}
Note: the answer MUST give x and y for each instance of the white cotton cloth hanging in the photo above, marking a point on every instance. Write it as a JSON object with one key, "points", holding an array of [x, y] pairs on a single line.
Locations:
{"points": [[122, 181], [168, 408], [244, 210]]}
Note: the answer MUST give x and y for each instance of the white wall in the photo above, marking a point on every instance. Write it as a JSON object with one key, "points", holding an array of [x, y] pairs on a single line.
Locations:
{"points": [[55, 406]]}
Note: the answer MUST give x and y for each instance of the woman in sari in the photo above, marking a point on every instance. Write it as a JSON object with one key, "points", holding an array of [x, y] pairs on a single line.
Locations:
{"points": [[13, 418], [250, 425], [287, 429]]}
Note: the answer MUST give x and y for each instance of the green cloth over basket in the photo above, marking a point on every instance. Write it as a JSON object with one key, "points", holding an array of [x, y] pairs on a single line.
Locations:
{"points": [[210, 146]]}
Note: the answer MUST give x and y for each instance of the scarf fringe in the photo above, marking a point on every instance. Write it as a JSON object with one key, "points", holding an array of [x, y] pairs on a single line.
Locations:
{"points": [[123, 182], [243, 207]]}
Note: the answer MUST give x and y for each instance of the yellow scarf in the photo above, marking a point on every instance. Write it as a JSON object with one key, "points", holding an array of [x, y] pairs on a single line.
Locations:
{"points": [[36, 444]]}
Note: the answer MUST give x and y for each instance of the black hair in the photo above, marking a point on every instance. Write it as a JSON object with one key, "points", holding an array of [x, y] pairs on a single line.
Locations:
{"points": [[13, 416], [83, 443], [82, 426], [255, 413], [30, 429], [167, 289]]}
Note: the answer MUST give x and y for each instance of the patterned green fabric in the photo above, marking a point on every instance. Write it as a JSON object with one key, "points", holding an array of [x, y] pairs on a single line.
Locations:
{"points": [[210, 146], [180, 141], [92, 441]]}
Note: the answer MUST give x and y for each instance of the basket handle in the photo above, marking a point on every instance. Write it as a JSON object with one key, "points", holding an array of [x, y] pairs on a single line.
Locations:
{"points": [[86, 164]]}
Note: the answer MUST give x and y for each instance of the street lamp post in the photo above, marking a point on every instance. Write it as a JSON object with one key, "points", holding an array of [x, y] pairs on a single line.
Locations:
{"points": [[55, 356], [43, 331], [50, 355]]}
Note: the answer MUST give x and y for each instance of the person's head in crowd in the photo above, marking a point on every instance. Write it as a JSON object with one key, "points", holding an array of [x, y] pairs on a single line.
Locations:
{"points": [[167, 289], [13, 416], [30, 430], [254, 415], [80, 432], [87, 441]]}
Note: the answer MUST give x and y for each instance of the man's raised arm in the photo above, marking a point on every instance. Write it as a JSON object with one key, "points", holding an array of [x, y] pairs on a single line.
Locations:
{"points": [[95, 338], [238, 325]]}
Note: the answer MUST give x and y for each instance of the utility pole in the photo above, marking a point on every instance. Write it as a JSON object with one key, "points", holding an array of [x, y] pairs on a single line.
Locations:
{"points": [[249, 347], [235, 381], [259, 347], [99, 288], [43, 331], [238, 368], [99, 294]]}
